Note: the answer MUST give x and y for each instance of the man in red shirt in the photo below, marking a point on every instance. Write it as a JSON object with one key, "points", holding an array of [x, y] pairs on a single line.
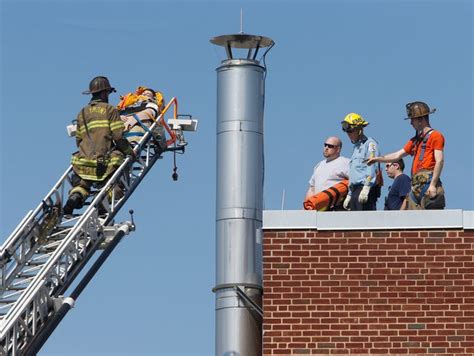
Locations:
{"points": [[427, 148]]}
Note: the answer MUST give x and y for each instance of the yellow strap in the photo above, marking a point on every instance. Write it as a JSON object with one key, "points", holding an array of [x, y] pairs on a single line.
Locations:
{"points": [[80, 190], [92, 125], [79, 161], [117, 125], [91, 177]]}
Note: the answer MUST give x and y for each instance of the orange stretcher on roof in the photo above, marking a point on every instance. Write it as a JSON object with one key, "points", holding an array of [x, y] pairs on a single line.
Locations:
{"points": [[328, 198]]}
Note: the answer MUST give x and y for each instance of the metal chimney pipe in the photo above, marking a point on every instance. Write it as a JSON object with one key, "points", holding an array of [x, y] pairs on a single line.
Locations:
{"points": [[240, 169]]}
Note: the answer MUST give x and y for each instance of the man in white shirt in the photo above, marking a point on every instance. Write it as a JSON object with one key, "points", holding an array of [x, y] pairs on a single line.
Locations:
{"points": [[330, 171]]}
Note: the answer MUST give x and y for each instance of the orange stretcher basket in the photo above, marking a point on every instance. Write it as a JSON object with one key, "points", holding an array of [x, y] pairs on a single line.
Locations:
{"points": [[328, 198]]}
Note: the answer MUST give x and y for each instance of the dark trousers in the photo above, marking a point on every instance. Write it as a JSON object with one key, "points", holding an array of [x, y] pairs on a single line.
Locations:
{"points": [[371, 203], [80, 186], [83, 187]]}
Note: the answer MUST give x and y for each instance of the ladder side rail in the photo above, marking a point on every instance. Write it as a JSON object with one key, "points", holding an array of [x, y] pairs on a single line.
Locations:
{"points": [[4, 258], [11, 239], [50, 325], [30, 322], [77, 268], [10, 271], [25, 251], [15, 231], [144, 165], [53, 273], [21, 247]]}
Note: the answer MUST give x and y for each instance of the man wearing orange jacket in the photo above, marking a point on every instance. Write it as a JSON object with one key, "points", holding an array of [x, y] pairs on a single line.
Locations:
{"points": [[427, 147]]}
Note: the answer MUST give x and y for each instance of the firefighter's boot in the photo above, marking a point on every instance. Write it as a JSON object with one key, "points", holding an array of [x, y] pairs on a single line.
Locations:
{"points": [[75, 201]]}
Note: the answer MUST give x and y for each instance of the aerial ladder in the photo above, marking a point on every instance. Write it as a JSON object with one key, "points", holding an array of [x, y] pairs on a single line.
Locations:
{"points": [[47, 251]]}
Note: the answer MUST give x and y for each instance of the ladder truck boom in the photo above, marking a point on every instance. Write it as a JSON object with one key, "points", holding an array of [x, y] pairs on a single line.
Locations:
{"points": [[47, 250]]}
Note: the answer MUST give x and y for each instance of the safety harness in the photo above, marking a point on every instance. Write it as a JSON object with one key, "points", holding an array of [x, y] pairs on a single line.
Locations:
{"points": [[423, 144], [136, 133], [429, 176], [132, 110]]}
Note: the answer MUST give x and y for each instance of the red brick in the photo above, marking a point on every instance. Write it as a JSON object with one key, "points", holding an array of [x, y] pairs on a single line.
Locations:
{"points": [[409, 234], [410, 278], [352, 234], [381, 234], [437, 233]]}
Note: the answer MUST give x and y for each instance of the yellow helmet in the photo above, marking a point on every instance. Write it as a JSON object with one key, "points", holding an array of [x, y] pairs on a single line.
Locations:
{"points": [[352, 121]]}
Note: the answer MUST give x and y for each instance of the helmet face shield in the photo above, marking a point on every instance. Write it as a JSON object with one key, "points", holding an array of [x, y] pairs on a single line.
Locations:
{"points": [[346, 127]]}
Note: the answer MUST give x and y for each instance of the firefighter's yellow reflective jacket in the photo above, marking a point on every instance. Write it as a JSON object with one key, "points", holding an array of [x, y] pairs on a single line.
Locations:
{"points": [[100, 140]]}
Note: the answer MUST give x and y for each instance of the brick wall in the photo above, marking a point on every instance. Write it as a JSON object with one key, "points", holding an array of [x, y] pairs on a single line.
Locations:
{"points": [[368, 293]]}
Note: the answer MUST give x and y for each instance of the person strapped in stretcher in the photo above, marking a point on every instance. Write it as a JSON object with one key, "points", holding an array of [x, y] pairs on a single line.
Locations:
{"points": [[138, 111]]}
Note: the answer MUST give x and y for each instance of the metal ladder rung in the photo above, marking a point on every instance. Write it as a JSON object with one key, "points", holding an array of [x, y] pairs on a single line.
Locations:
{"points": [[54, 243], [46, 249], [25, 275], [45, 256], [14, 289], [31, 269], [21, 282], [58, 235], [11, 295], [35, 264], [8, 301]]}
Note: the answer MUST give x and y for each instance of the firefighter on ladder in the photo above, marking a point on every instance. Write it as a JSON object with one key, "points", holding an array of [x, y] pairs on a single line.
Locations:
{"points": [[99, 138]]}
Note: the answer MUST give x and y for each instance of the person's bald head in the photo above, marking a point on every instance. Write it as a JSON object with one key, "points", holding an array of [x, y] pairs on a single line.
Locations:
{"points": [[332, 147]]}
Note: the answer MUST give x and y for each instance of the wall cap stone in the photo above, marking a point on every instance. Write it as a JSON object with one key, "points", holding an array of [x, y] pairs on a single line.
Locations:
{"points": [[368, 220]]}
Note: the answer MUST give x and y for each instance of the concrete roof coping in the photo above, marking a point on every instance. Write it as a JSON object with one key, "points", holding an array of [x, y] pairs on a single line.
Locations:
{"points": [[368, 220]]}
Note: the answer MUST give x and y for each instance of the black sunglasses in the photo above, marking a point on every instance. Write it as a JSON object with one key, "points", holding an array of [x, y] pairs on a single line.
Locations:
{"points": [[328, 145]]}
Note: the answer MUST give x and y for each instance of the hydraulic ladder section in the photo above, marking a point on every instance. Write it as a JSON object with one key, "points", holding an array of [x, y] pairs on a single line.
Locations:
{"points": [[47, 251]]}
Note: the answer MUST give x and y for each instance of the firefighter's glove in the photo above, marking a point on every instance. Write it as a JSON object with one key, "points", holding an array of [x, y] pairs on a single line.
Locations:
{"points": [[132, 155], [124, 146], [347, 202], [364, 194]]}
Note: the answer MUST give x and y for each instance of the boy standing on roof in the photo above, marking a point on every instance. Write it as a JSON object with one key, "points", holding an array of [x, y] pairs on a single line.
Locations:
{"points": [[363, 186], [398, 191], [427, 148]]}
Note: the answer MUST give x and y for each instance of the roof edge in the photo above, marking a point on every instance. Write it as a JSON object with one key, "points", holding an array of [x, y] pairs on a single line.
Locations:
{"points": [[368, 220]]}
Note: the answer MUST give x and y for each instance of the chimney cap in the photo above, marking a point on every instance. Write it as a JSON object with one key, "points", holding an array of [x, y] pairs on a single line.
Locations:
{"points": [[240, 40]]}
